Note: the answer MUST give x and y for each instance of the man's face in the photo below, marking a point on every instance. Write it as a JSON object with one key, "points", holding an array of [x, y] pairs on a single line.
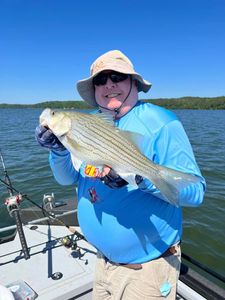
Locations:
{"points": [[111, 91]]}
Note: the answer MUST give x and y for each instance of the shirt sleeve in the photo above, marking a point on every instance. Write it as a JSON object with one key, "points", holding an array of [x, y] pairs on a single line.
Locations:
{"points": [[62, 167], [171, 148]]}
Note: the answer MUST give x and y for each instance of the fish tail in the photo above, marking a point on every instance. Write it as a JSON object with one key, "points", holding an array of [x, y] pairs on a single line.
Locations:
{"points": [[171, 182]]}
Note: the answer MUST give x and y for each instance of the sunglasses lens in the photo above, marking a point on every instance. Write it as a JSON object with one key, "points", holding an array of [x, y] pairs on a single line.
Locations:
{"points": [[116, 77], [100, 79]]}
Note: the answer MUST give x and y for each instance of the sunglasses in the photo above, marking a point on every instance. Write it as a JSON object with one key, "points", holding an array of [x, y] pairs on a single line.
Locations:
{"points": [[115, 77]]}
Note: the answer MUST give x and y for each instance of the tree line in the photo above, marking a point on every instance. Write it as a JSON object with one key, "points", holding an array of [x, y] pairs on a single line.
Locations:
{"points": [[170, 103], [190, 103]]}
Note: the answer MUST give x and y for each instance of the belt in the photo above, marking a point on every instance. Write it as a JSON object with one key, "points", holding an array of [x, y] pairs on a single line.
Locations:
{"points": [[170, 251]]}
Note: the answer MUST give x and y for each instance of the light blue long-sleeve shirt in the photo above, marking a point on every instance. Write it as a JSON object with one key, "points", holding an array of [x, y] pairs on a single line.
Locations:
{"points": [[130, 224]]}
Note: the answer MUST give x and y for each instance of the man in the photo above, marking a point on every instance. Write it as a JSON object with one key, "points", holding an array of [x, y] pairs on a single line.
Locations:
{"points": [[136, 231]]}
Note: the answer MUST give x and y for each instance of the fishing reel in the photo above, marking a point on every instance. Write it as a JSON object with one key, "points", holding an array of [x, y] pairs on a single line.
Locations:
{"points": [[68, 242], [49, 202], [72, 245], [13, 203]]}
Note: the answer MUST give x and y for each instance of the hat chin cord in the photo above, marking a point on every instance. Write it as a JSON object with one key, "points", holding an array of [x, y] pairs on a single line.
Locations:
{"points": [[117, 110]]}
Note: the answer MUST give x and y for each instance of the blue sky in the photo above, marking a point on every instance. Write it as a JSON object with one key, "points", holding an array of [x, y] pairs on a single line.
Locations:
{"points": [[46, 46]]}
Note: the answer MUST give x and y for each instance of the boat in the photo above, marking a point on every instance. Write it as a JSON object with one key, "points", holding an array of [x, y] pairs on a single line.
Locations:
{"points": [[48, 258], [53, 263]]}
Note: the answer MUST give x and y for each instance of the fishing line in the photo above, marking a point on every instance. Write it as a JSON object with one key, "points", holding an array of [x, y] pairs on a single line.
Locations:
{"points": [[66, 241], [7, 182], [37, 205]]}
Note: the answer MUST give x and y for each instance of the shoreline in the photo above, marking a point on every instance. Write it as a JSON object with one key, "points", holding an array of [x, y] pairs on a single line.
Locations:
{"points": [[214, 103]]}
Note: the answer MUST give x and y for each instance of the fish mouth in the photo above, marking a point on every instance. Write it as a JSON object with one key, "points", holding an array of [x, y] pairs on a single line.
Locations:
{"points": [[43, 123]]}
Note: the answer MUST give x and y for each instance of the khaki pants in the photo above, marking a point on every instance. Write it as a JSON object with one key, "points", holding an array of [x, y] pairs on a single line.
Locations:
{"points": [[156, 280]]}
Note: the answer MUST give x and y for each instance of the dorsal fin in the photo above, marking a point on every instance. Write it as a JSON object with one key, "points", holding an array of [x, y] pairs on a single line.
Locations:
{"points": [[106, 117], [134, 137]]}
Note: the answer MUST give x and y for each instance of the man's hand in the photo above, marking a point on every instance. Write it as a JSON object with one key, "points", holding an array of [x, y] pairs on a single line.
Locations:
{"points": [[47, 139], [109, 177]]}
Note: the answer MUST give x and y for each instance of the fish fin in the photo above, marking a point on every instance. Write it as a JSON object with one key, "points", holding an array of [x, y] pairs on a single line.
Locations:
{"points": [[76, 162], [129, 177], [107, 118], [134, 137], [170, 182], [169, 192]]}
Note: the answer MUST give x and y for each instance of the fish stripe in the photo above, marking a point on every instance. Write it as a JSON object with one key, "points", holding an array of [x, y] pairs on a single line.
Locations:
{"points": [[104, 135]]}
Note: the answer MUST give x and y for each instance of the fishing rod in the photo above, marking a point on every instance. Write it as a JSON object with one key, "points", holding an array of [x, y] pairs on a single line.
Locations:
{"points": [[46, 213], [66, 241], [7, 179], [13, 203]]}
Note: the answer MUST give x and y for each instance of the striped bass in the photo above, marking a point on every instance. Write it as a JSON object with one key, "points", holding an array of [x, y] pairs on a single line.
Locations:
{"points": [[95, 140]]}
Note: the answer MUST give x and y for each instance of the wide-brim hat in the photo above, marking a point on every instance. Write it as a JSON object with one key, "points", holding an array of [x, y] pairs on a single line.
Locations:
{"points": [[113, 60]]}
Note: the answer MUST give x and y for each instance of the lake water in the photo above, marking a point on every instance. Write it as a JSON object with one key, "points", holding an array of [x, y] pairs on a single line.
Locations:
{"points": [[204, 228]]}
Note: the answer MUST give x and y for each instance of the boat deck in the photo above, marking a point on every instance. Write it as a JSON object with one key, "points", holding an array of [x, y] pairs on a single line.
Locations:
{"points": [[54, 271], [49, 258]]}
